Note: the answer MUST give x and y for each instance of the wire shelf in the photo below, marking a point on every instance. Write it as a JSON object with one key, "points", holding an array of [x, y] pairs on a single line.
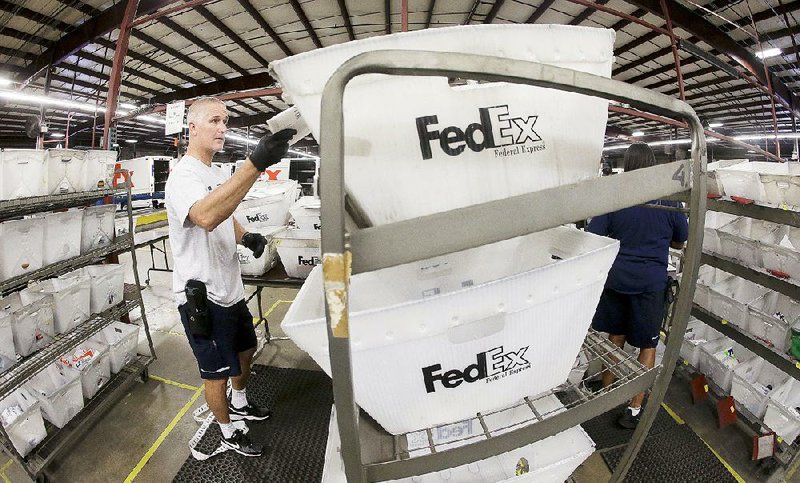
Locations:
{"points": [[36, 204], [119, 244], [625, 367]]}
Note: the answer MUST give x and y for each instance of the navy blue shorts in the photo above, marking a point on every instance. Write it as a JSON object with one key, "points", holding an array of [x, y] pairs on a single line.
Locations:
{"points": [[636, 316], [232, 332]]}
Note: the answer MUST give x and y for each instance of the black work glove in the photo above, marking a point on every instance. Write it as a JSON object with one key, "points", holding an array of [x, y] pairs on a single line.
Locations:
{"points": [[255, 242], [271, 149]]}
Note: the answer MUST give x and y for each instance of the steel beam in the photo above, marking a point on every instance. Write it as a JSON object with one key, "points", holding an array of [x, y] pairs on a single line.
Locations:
{"points": [[492, 13], [430, 14], [119, 62], [346, 18], [248, 7], [586, 13], [298, 9], [185, 33], [213, 20], [539, 11]]}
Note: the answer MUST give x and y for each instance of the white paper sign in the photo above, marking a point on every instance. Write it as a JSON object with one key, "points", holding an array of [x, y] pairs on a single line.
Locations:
{"points": [[174, 118]]}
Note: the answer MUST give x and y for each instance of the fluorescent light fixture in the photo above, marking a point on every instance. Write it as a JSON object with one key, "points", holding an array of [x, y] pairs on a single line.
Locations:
{"points": [[637, 134], [57, 135], [5, 82], [132, 141], [307, 155], [15, 97], [115, 145], [126, 105], [751, 151], [715, 124], [766, 53]]}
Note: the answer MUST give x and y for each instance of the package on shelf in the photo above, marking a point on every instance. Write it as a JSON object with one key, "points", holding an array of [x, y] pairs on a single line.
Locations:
{"points": [[267, 203], [58, 390], [784, 256], [305, 213], [743, 239], [91, 359], [21, 246], [23, 173], [697, 334], [98, 169], [107, 284], [249, 264], [770, 183], [62, 232], [771, 318], [551, 460], [553, 137], [65, 168], [730, 298], [121, 339], [71, 300], [21, 417], [33, 324], [713, 184], [783, 411], [97, 228], [753, 382], [486, 313], [7, 352], [707, 276], [720, 358], [299, 250], [714, 221]]}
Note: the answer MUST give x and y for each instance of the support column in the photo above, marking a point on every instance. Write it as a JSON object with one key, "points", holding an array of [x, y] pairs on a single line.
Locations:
{"points": [[674, 44], [116, 67]]}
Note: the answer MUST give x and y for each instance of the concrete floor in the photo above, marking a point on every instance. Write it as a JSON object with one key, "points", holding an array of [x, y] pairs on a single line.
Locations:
{"points": [[144, 436]]}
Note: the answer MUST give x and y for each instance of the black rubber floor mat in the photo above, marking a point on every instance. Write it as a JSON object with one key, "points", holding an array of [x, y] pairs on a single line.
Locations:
{"points": [[294, 437], [606, 433], [677, 455]]}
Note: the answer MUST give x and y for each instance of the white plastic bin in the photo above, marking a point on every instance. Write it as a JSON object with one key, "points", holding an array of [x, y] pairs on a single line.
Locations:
{"points": [[771, 317], [121, 339], [714, 221], [91, 359], [486, 313], [22, 420], [744, 237], [551, 460], [98, 227], [764, 182], [783, 411], [249, 264], [98, 169], [714, 185], [707, 276], [7, 353], [784, 256], [721, 357], [33, 324], [64, 170], [71, 300], [305, 213], [23, 173], [729, 300], [267, 203], [545, 137], [697, 334], [300, 251], [107, 284], [62, 232], [21, 246], [58, 390], [753, 382]]}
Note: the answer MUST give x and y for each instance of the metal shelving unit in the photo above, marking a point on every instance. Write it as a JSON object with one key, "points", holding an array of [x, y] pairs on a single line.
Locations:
{"points": [[58, 439], [780, 360], [372, 248]]}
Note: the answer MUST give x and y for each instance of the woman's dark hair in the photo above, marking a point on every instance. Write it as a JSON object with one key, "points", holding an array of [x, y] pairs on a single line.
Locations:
{"points": [[639, 155]]}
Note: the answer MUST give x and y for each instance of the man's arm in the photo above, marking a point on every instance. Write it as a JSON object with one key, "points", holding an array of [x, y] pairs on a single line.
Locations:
{"points": [[238, 230], [215, 208]]}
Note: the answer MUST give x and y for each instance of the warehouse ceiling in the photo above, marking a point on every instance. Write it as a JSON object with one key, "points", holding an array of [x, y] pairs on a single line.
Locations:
{"points": [[180, 49]]}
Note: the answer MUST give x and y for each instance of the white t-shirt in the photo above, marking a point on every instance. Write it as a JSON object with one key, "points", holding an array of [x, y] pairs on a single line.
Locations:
{"points": [[209, 257]]}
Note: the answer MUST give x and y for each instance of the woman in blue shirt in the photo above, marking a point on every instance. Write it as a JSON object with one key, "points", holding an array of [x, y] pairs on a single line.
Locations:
{"points": [[632, 305]]}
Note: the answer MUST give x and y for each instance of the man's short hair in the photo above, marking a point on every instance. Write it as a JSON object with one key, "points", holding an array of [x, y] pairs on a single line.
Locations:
{"points": [[199, 106]]}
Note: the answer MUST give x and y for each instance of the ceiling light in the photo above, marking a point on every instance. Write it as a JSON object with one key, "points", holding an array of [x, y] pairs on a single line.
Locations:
{"points": [[15, 97], [5, 82], [763, 54], [637, 134], [57, 135], [126, 105], [132, 141], [714, 124], [750, 151]]}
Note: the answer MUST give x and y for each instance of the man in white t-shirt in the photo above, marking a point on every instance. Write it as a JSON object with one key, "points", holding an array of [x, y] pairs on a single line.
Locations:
{"points": [[203, 236]]}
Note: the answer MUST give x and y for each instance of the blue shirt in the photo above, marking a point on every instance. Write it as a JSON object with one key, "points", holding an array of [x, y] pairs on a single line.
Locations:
{"points": [[644, 235]]}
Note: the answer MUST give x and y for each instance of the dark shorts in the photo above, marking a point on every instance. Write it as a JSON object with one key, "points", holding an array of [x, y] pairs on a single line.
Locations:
{"points": [[636, 316], [233, 332]]}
